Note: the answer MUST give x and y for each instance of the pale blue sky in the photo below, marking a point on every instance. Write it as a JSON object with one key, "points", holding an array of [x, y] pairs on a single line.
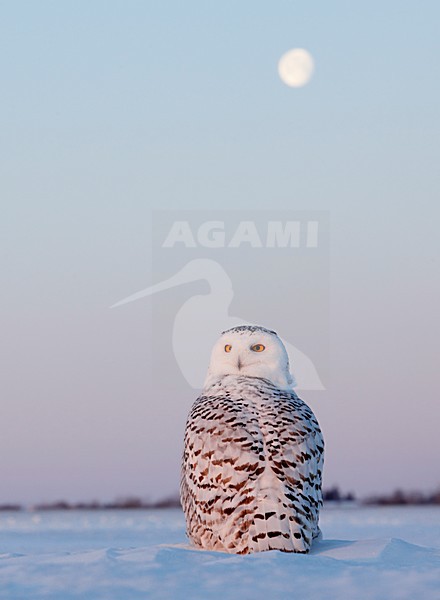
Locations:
{"points": [[109, 110]]}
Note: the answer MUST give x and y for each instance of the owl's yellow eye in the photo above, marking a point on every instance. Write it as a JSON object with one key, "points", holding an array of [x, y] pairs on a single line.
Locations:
{"points": [[258, 347], [228, 348]]}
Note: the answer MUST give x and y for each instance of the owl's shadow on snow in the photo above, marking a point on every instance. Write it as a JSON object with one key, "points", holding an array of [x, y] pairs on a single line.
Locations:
{"points": [[321, 546]]}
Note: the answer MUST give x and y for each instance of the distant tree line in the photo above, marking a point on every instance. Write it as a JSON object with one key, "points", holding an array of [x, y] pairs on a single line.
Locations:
{"points": [[400, 497], [130, 503], [332, 494]]}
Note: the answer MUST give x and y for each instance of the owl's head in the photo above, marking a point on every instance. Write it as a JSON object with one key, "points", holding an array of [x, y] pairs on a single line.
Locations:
{"points": [[252, 351]]}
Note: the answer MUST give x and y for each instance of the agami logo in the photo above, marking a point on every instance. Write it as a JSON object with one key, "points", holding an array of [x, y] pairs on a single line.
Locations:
{"points": [[215, 234], [254, 271]]}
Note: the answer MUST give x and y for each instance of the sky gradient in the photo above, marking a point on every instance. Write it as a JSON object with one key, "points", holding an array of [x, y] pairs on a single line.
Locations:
{"points": [[111, 110]]}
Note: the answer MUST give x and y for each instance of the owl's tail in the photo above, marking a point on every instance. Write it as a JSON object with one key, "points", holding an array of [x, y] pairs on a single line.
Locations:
{"points": [[277, 525]]}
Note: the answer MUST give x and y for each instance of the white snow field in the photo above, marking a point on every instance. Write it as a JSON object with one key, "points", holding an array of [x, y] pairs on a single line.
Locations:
{"points": [[367, 552]]}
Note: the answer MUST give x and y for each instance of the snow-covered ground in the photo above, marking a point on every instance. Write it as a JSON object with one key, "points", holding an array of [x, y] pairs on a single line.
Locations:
{"points": [[380, 553]]}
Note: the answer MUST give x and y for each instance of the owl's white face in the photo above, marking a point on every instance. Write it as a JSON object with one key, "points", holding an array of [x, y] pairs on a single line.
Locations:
{"points": [[252, 351]]}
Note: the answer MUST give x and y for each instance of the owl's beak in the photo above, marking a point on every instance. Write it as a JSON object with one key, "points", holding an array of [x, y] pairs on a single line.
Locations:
{"points": [[239, 365]]}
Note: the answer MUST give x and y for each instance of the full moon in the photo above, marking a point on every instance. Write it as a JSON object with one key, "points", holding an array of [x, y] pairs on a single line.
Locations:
{"points": [[295, 68]]}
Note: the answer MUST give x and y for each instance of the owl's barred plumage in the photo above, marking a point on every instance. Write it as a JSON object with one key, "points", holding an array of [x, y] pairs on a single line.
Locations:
{"points": [[253, 457]]}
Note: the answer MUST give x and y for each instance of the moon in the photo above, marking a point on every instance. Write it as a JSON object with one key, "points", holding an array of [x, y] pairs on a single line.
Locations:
{"points": [[295, 67]]}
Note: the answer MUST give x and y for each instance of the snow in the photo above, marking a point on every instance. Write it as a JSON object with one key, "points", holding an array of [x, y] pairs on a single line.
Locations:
{"points": [[367, 552]]}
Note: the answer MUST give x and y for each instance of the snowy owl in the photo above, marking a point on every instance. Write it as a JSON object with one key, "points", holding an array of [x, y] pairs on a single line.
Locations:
{"points": [[253, 452]]}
